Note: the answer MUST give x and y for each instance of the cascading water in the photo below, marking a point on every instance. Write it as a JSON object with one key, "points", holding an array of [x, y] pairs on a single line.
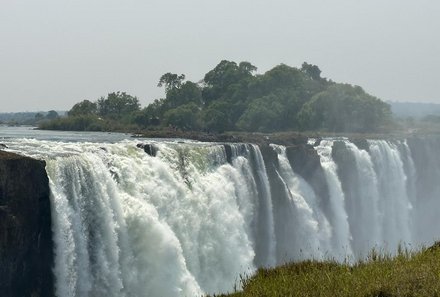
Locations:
{"points": [[338, 217], [197, 216], [306, 230], [265, 219], [394, 202], [128, 224], [363, 202]]}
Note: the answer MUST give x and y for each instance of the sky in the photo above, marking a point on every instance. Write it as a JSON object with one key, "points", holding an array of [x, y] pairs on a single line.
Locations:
{"points": [[55, 53]]}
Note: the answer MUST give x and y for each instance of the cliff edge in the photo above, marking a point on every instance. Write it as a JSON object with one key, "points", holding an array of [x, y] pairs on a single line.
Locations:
{"points": [[25, 228]]}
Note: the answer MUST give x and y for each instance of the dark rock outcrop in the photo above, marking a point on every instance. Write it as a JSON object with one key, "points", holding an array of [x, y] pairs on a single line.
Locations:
{"points": [[306, 162], [150, 149], [26, 254]]}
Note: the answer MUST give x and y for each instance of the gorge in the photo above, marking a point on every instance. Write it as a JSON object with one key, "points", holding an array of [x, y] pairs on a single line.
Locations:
{"points": [[185, 218]]}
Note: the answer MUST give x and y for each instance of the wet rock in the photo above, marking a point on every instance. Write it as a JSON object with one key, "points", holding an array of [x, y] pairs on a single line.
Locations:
{"points": [[149, 148], [228, 150], [26, 256]]}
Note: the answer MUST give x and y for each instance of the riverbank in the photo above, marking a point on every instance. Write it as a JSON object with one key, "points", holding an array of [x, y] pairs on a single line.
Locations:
{"points": [[407, 274], [288, 138]]}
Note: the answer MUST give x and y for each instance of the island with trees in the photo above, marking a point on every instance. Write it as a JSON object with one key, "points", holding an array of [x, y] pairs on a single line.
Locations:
{"points": [[232, 97]]}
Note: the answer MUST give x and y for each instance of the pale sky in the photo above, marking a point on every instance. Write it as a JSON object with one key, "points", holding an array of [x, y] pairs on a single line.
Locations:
{"points": [[55, 53]]}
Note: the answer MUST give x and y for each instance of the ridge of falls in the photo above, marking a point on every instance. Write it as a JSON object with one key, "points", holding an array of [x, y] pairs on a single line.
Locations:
{"points": [[195, 217]]}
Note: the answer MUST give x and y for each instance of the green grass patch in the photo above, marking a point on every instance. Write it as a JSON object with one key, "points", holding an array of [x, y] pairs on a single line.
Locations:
{"points": [[406, 274]]}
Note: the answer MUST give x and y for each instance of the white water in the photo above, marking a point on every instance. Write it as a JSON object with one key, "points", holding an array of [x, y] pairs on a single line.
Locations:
{"points": [[128, 224], [307, 230], [341, 247], [187, 222], [394, 203], [366, 213], [266, 219]]}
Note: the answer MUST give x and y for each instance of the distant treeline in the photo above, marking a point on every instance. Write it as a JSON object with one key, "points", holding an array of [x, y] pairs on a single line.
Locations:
{"points": [[233, 97], [415, 110], [28, 118]]}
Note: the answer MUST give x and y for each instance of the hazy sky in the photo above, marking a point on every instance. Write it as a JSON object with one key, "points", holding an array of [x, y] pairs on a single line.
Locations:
{"points": [[54, 53]]}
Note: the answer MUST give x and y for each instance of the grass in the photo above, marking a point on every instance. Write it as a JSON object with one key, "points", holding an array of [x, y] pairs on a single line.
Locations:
{"points": [[407, 274]]}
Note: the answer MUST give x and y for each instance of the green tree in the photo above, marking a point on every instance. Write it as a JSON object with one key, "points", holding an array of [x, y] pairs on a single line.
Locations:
{"points": [[312, 71], [51, 115], [217, 117], [184, 117], [264, 114], [151, 115], [84, 107], [117, 106], [39, 116], [344, 108], [171, 81], [223, 76], [188, 92]]}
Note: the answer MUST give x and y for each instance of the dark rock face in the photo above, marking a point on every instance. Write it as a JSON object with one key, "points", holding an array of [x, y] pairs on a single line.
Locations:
{"points": [[150, 149], [306, 162], [26, 253]]}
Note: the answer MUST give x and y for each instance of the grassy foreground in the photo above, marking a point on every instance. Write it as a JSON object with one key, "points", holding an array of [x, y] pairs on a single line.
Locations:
{"points": [[407, 274]]}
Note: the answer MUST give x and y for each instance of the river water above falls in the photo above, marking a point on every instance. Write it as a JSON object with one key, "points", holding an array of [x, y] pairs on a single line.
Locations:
{"points": [[196, 216]]}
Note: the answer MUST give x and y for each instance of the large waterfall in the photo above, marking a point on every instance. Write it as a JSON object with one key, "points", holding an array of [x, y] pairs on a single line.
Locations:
{"points": [[195, 217]]}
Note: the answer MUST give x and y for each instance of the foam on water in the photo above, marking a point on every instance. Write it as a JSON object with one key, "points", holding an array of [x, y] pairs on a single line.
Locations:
{"points": [[194, 218]]}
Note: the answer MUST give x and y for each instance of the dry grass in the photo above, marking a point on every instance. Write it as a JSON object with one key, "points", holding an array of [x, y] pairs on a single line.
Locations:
{"points": [[407, 274]]}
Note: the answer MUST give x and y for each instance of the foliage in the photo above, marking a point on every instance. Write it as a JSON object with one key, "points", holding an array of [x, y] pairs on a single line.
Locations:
{"points": [[233, 97], [76, 123], [28, 118], [51, 115], [217, 117], [186, 93], [344, 108], [171, 81], [312, 71], [263, 114], [84, 107], [226, 79], [117, 111], [184, 117], [407, 274], [117, 105]]}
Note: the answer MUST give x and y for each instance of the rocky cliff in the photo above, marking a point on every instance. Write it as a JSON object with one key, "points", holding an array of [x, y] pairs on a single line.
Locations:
{"points": [[25, 228]]}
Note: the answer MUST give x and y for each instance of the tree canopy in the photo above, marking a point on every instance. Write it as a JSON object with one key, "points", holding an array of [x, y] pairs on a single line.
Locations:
{"points": [[233, 96]]}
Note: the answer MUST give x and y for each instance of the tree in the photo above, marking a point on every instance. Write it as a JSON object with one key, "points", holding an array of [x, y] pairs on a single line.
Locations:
{"points": [[184, 117], [217, 117], [150, 115], [312, 71], [188, 92], [51, 115], [84, 107], [344, 108], [263, 114], [117, 105], [246, 67], [171, 81], [226, 74], [39, 116]]}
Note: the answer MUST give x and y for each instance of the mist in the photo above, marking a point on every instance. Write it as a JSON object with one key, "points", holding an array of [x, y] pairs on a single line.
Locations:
{"points": [[54, 54]]}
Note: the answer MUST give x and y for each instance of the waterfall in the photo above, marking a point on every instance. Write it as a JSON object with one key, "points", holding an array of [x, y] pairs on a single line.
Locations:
{"points": [[394, 202], [128, 224], [338, 218], [364, 212], [109, 239], [197, 216], [306, 229], [266, 220]]}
